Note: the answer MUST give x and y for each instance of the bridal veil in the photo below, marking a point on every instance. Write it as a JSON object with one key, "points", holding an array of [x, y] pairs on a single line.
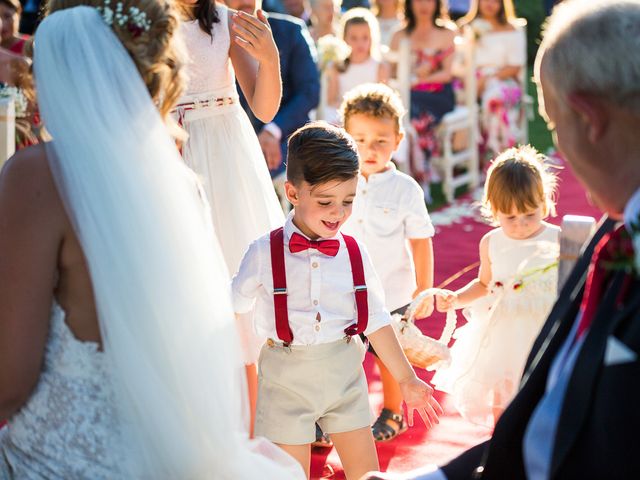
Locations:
{"points": [[160, 283]]}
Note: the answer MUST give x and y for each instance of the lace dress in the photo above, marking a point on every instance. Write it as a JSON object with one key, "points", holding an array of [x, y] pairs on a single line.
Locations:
{"points": [[490, 351], [222, 147], [68, 429]]}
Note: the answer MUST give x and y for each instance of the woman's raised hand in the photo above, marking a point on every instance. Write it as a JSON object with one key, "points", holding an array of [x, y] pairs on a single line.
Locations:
{"points": [[254, 35]]}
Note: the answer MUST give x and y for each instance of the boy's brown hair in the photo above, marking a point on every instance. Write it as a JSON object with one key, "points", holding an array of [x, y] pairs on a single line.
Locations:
{"points": [[375, 100], [519, 178], [319, 152]]}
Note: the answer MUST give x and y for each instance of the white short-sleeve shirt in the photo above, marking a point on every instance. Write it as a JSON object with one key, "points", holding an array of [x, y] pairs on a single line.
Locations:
{"points": [[388, 210], [321, 300]]}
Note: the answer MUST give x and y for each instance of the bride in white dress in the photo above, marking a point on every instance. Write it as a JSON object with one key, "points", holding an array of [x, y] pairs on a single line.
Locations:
{"points": [[118, 353], [222, 146]]}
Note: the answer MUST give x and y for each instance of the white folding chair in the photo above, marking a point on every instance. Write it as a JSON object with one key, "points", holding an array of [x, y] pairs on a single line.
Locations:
{"points": [[7, 129]]}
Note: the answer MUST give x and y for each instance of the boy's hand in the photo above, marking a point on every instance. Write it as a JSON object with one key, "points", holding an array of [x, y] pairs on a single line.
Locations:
{"points": [[419, 396], [425, 308], [446, 300]]}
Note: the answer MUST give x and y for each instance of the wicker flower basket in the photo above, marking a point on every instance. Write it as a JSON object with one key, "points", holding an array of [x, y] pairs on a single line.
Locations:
{"points": [[421, 350]]}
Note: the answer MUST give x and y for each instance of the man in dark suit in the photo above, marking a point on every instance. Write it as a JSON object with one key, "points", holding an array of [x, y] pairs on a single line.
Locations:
{"points": [[577, 413], [300, 83]]}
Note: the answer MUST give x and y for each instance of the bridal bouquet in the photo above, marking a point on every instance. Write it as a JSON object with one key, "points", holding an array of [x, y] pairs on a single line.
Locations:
{"points": [[480, 27], [331, 51]]}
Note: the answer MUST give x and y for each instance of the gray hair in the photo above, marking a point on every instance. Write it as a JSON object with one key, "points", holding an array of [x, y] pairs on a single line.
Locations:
{"points": [[593, 46]]}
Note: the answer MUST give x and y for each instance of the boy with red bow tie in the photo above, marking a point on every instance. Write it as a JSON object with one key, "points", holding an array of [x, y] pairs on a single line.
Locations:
{"points": [[313, 290]]}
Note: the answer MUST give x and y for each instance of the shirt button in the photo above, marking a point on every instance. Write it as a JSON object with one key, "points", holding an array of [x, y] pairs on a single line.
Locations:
{"points": [[315, 302], [314, 264], [364, 192], [360, 220], [317, 328]]}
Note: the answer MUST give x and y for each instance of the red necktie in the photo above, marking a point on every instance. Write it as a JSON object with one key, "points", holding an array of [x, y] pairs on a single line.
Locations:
{"points": [[597, 276], [298, 243]]}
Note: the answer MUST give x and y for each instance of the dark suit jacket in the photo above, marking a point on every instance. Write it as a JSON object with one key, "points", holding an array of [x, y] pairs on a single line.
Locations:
{"points": [[300, 77], [600, 418]]}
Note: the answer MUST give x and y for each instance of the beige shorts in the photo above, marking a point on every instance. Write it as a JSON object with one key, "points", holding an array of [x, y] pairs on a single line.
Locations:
{"points": [[300, 386]]}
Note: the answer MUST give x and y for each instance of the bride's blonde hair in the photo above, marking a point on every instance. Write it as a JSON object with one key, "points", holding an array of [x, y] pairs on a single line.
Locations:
{"points": [[153, 50]]}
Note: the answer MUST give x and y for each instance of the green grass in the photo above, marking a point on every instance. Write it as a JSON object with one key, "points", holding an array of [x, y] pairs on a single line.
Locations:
{"points": [[539, 135]]}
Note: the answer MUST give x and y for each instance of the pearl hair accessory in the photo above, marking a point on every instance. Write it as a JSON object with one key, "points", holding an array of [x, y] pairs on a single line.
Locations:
{"points": [[135, 20]]}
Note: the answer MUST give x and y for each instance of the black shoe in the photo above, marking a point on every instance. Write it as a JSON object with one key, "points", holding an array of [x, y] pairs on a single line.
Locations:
{"points": [[322, 439]]}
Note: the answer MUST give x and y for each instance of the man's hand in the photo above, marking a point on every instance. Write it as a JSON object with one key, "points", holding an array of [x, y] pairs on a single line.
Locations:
{"points": [[271, 149]]}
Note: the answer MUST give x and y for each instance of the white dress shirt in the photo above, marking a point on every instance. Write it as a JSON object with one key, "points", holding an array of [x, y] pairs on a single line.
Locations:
{"points": [[389, 210], [321, 300]]}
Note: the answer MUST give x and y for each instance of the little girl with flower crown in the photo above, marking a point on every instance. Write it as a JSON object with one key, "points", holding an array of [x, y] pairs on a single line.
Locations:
{"points": [[516, 287]]}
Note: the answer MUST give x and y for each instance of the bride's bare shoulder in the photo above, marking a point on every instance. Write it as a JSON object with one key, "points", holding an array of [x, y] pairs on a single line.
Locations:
{"points": [[26, 178]]}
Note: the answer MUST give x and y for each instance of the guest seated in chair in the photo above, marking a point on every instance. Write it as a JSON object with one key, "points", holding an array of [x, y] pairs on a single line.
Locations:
{"points": [[501, 54]]}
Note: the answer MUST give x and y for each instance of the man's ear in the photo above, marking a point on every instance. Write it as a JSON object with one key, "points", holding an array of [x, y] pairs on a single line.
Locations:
{"points": [[592, 111], [292, 193]]}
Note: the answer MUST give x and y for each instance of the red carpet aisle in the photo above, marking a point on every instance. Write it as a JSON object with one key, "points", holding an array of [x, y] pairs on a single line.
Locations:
{"points": [[456, 247]]}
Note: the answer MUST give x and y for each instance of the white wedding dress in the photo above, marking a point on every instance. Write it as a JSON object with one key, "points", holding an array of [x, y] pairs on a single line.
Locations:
{"points": [[68, 428], [165, 398]]}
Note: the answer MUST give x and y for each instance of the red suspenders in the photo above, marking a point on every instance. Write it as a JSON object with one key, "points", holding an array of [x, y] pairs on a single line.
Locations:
{"points": [[280, 287]]}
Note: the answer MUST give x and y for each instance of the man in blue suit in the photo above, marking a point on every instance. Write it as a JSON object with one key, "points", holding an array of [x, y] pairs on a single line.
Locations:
{"points": [[300, 83]]}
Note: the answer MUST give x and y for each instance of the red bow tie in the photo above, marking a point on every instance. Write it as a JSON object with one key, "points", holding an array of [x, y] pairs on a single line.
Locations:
{"points": [[298, 243]]}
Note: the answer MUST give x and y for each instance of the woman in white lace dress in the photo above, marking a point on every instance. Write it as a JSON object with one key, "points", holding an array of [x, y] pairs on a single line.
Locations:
{"points": [[115, 322]]}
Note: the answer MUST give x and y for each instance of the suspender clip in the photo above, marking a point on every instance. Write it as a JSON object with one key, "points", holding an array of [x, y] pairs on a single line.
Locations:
{"points": [[360, 288], [279, 291]]}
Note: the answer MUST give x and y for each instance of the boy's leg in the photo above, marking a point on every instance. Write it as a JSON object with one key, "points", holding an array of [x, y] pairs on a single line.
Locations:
{"points": [[390, 389], [357, 452], [390, 422], [302, 453]]}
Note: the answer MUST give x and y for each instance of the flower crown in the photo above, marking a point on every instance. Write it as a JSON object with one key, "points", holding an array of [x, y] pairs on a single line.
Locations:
{"points": [[135, 20]]}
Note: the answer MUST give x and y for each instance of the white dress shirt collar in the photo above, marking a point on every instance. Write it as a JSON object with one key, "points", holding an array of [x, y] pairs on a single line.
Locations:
{"points": [[380, 176], [632, 210]]}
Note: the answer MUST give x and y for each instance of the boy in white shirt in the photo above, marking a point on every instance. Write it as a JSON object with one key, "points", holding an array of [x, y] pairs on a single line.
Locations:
{"points": [[391, 219], [313, 290]]}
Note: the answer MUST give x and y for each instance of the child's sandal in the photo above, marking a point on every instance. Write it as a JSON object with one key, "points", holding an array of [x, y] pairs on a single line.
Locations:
{"points": [[382, 431]]}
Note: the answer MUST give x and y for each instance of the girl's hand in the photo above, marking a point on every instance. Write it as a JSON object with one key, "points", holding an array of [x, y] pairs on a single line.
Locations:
{"points": [[254, 35], [419, 396], [446, 300], [425, 308]]}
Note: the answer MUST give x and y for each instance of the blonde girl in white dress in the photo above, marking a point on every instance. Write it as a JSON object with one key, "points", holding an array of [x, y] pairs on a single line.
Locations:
{"points": [[513, 294], [360, 31]]}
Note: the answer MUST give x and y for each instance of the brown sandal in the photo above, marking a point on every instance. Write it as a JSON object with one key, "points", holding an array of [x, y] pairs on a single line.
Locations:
{"points": [[382, 431]]}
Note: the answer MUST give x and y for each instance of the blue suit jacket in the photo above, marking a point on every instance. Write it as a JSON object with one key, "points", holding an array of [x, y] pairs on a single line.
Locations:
{"points": [[300, 78]]}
